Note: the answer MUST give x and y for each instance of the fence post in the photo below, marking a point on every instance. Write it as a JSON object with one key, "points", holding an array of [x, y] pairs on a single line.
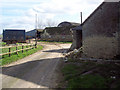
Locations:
{"points": [[35, 45], [16, 50], [22, 48], [30, 45], [26, 48], [9, 51]]}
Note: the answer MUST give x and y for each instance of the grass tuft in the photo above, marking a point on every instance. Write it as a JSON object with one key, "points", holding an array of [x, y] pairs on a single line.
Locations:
{"points": [[87, 81], [54, 41], [91, 75]]}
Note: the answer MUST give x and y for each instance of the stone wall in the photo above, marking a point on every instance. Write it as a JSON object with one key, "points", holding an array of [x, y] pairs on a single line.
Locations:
{"points": [[100, 32], [57, 34]]}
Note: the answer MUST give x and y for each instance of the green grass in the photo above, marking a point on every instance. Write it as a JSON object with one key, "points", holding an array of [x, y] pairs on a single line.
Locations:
{"points": [[69, 71], [100, 77], [2, 43], [87, 81], [54, 42], [14, 57], [72, 75]]}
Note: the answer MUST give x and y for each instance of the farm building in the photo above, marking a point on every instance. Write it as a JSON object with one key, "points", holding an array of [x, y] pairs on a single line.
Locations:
{"points": [[12, 36], [101, 32], [31, 34], [68, 24], [34, 33], [60, 33]]}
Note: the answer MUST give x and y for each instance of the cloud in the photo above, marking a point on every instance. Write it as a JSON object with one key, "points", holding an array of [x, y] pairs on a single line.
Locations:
{"points": [[67, 10], [21, 13], [20, 1], [66, 6], [21, 22], [111, 0]]}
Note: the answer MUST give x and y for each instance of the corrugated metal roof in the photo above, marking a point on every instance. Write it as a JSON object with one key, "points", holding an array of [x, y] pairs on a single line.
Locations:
{"points": [[40, 30], [77, 28], [65, 23]]}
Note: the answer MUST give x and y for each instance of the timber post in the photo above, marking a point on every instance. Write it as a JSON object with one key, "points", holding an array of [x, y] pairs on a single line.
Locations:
{"points": [[16, 50], [9, 51], [22, 48]]}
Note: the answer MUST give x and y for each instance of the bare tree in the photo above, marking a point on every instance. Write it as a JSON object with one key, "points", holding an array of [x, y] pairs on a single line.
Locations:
{"points": [[51, 23], [40, 24]]}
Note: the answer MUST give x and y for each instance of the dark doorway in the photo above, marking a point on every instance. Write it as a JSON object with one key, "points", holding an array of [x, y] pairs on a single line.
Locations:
{"points": [[78, 39]]}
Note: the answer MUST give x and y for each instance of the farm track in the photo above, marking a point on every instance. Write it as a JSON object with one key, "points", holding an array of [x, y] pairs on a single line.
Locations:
{"points": [[37, 70]]}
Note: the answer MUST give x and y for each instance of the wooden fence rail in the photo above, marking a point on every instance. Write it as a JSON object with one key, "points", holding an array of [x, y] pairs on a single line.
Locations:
{"points": [[15, 46], [16, 51]]}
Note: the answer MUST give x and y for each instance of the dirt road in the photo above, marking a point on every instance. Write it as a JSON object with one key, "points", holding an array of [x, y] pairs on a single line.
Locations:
{"points": [[35, 71]]}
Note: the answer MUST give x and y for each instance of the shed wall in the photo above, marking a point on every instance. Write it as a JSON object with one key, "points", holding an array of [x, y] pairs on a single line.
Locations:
{"points": [[100, 32], [57, 34]]}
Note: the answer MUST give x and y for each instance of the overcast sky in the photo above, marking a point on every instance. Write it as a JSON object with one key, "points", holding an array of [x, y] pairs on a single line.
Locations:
{"points": [[20, 14]]}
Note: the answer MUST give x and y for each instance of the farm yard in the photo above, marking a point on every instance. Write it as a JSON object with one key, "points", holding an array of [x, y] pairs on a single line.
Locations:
{"points": [[68, 56], [70, 75], [39, 70]]}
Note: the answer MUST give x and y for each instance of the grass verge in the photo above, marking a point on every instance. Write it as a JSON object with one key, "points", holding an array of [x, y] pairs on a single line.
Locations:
{"points": [[90, 75], [5, 44], [86, 81], [54, 42], [2, 43], [14, 57]]}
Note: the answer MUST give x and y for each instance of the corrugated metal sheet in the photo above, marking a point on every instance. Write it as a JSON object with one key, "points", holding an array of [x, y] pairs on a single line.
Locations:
{"points": [[31, 33], [10, 34]]}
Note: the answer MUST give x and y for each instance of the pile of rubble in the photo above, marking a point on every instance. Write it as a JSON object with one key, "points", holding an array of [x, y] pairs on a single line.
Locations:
{"points": [[76, 53]]}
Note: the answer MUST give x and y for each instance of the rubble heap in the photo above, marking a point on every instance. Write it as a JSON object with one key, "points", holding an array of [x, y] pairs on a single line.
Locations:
{"points": [[76, 53]]}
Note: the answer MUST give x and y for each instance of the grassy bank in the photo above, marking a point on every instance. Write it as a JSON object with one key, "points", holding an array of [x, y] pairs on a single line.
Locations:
{"points": [[5, 44], [14, 57], [90, 75], [54, 42], [2, 43]]}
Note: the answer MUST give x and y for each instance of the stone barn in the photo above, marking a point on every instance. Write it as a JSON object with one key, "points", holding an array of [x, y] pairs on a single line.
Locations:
{"points": [[101, 32], [59, 33]]}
